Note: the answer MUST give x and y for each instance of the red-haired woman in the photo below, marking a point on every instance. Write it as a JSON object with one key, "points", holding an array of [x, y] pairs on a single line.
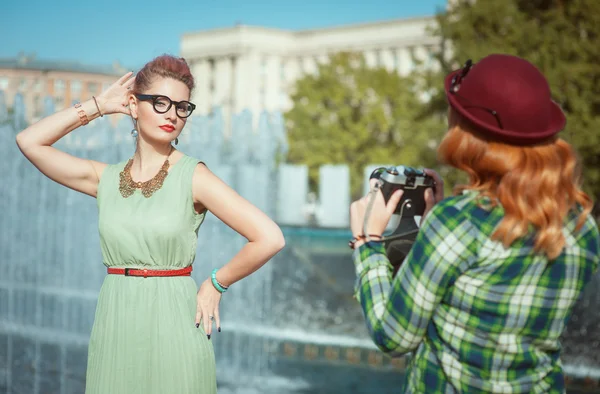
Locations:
{"points": [[490, 282], [152, 328]]}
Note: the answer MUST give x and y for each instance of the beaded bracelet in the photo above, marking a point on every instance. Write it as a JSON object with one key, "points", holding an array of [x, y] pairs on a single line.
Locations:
{"points": [[220, 288], [353, 241]]}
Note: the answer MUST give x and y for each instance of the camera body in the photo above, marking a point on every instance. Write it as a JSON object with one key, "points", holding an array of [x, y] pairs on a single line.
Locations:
{"points": [[414, 182]]}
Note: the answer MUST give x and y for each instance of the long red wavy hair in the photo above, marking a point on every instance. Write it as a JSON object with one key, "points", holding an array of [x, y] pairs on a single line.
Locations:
{"points": [[536, 185]]}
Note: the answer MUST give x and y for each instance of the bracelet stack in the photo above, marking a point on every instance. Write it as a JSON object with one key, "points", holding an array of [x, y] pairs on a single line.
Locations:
{"points": [[360, 237], [82, 115], [220, 288]]}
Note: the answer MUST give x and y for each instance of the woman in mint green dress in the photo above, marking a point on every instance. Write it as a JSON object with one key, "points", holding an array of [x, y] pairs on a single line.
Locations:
{"points": [[153, 325]]}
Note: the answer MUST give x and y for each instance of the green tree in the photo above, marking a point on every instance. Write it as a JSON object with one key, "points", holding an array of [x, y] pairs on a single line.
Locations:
{"points": [[559, 36], [348, 113]]}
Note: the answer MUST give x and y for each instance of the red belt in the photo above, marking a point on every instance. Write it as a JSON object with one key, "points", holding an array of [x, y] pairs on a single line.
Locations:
{"points": [[149, 272]]}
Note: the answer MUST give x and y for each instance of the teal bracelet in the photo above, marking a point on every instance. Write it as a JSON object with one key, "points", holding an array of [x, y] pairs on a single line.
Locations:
{"points": [[220, 288]]}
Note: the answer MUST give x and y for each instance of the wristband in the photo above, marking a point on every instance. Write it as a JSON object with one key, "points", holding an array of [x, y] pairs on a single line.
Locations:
{"points": [[220, 288], [353, 241]]}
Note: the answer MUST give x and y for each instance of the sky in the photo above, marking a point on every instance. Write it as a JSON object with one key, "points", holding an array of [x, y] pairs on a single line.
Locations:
{"points": [[132, 32]]}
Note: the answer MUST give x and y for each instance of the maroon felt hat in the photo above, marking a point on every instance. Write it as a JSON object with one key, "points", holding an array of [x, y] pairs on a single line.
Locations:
{"points": [[507, 98]]}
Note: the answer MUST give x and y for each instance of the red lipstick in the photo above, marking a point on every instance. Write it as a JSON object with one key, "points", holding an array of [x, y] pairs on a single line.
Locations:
{"points": [[167, 127]]}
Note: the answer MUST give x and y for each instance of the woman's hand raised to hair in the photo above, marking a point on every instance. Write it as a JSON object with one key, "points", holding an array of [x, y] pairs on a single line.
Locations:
{"points": [[115, 99]]}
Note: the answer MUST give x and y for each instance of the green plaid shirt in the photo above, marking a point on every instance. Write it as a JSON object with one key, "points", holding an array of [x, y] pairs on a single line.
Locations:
{"points": [[480, 318]]}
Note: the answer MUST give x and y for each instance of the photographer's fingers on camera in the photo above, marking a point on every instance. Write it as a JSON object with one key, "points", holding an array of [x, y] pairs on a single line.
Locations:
{"points": [[430, 200], [373, 183], [393, 202], [439, 184]]}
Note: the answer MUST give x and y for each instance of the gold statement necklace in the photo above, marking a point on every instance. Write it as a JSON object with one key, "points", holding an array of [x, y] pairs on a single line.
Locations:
{"points": [[127, 185]]}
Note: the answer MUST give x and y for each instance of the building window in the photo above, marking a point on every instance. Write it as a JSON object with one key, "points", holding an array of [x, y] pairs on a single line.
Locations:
{"points": [[59, 85], [76, 87], [59, 102], [38, 108], [3, 83], [92, 87], [22, 84], [37, 85]]}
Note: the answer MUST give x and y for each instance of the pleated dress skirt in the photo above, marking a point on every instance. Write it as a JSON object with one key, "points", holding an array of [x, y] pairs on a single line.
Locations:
{"points": [[144, 340]]}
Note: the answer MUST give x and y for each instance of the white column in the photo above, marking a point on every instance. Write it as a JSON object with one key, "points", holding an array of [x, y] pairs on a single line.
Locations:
{"points": [[334, 195], [421, 55], [322, 58], [309, 65], [387, 59], [292, 71], [292, 208], [200, 96], [405, 62], [371, 58]]}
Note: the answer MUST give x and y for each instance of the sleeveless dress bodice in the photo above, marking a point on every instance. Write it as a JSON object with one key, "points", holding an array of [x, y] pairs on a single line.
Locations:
{"points": [[158, 232]]}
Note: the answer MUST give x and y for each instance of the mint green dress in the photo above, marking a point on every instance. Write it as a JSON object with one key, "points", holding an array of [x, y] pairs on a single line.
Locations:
{"points": [[144, 339]]}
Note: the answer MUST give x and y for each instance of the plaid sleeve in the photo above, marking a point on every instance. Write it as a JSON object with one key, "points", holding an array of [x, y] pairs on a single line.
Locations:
{"points": [[398, 310]]}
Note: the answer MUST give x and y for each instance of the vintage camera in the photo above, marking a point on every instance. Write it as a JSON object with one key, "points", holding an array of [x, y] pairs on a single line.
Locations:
{"points": [[414, 182]]}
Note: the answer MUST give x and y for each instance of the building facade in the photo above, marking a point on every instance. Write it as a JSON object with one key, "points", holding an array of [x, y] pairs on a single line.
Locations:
{"points": [[65, 82], [254, 68]]}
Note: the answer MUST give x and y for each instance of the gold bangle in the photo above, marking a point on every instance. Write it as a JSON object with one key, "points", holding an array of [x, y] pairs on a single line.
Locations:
{"points": [[97, 106], [82, 116]]}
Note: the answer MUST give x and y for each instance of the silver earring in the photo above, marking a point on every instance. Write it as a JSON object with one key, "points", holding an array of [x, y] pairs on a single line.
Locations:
{"points": [[176, 140], [134, 133]]}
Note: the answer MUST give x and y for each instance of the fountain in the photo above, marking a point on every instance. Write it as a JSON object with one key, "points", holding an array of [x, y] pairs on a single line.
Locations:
{"points": [[51, 263], [292, 327]]}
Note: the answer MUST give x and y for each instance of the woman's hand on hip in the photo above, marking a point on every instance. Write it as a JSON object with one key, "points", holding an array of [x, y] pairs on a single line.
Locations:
{"points": [[207, 307]]}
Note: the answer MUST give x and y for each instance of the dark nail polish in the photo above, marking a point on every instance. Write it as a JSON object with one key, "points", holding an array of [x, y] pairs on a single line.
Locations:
{"points": [[219, 329], [197, 325], [208, 336]]}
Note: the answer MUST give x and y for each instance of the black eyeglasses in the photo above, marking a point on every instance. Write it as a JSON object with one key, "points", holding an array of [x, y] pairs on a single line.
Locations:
{"points": [[455, 87], [162, 104]]}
